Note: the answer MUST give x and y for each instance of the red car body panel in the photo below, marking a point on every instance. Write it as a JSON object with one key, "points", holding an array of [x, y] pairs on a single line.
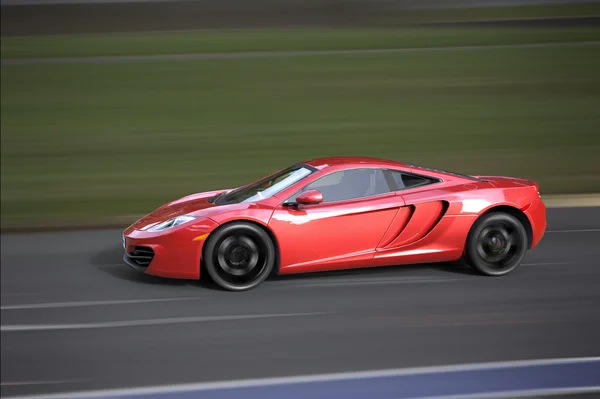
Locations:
{"points": [[176, 252], [313, 238], [423, 224]]}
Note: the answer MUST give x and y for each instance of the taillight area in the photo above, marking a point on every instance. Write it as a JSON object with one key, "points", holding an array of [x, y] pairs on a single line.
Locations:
{"points": [[537, 189]]}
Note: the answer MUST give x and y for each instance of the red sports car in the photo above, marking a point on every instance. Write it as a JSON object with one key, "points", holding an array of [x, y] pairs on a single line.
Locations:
{"points": [[340, 213]]}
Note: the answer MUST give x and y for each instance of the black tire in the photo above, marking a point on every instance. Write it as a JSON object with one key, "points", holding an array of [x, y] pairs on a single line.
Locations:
{"points": [[239, 256], [496, 244]]}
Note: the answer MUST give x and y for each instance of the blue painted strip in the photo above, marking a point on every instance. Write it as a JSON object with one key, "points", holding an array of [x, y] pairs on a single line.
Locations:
{"points": [[522, 378], [420, 385]]}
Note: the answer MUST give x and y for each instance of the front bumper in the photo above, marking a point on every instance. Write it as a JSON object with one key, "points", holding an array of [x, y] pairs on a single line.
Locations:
{"points": [[174, 253], [134, 266]]}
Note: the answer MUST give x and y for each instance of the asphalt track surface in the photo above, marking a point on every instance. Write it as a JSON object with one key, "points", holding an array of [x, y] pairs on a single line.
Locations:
{"points": [[74, 317]]}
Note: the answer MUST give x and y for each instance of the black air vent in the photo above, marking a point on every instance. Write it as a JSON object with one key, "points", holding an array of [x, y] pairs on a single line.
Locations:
{"points": [[141, 256]]}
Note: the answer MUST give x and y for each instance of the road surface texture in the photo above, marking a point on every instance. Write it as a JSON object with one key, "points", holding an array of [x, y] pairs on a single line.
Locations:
{"points": [[74, 317]]}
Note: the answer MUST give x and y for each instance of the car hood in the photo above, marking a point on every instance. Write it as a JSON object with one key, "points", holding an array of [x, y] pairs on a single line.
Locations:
{"points": [[191, 204]]}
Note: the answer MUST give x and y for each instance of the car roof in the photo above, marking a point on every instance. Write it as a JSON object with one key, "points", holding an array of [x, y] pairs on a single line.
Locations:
{"points": [[350, 161], [341, 162]]}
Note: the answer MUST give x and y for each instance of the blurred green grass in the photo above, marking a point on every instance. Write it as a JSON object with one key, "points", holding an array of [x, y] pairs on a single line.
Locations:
{"points": [[229, 41], [92, 143], [501, 12]]}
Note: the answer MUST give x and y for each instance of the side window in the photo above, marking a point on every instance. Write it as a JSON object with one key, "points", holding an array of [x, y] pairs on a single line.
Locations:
{"points": [[350, 184], [330, 180], [404, 180]]}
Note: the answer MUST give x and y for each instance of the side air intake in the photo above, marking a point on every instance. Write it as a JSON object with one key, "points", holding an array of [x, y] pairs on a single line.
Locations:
{"points": [[422, 221]]}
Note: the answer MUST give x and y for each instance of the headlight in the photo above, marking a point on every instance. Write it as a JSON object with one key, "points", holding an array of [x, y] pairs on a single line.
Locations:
{"points": [[176, 221]]}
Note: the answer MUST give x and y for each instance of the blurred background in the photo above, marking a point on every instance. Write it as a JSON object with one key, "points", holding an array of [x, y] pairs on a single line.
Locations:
{"points": [[110, 108], [479, 87]]}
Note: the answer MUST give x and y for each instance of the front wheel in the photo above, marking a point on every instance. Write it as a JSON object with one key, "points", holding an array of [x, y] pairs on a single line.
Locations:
{"points": [[496, 244], [239, 256]]}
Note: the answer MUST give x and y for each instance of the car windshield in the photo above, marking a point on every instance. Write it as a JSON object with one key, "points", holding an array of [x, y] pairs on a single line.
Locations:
{"points": [[266, 187]]}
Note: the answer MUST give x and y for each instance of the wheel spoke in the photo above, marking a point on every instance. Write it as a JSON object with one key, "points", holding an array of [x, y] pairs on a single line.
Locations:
{"points": [[240, 258], [497, 244], [512, 240]]}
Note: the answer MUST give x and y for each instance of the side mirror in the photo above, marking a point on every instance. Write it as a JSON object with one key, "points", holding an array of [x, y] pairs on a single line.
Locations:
{"points": [[310, 197]]}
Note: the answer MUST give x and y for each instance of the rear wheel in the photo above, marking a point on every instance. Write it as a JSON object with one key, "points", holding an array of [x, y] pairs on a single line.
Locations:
{"points": [[239, 256], [496, 244]]}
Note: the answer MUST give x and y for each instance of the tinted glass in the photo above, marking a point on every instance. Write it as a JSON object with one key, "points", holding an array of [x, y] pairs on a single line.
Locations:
{"points": [[266, 187], [445, 171], [350, 184], [406, 181]]}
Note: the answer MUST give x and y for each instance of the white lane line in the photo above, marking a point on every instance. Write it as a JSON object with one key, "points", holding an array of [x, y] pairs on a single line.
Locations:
{"points": [[270, 54], [344, 376], [92, 303], [149, 322], [573, 231]]}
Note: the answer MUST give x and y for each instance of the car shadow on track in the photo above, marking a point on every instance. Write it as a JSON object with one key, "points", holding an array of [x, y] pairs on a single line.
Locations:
{"points": [[110, 261], [458, 267]]}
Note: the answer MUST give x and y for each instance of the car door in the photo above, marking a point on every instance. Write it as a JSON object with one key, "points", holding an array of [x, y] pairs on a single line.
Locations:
{"points": [[342, 231]]}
